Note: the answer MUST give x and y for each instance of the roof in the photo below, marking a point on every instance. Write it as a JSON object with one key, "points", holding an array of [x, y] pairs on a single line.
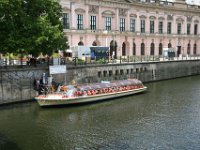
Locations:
{"points": [[107, 85]]}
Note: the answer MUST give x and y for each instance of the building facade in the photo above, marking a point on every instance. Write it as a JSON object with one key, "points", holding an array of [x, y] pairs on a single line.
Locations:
{"points": [[133, 27]]}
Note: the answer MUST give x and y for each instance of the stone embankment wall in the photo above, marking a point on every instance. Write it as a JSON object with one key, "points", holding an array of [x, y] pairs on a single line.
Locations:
{"points": [[17, 84]]}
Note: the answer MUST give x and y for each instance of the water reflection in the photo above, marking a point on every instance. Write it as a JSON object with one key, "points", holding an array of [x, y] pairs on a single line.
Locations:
{"points": [[165, 117]]}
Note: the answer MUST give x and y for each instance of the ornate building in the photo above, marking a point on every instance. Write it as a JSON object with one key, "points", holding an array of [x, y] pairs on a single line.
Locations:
{"points": [[133, 27]]}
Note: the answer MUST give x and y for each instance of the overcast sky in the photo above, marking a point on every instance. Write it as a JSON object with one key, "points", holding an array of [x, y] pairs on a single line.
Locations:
{"points": [[193, 2]]}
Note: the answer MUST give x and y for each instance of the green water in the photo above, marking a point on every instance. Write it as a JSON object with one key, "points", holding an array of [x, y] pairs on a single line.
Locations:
{"points": [[167, 116]]}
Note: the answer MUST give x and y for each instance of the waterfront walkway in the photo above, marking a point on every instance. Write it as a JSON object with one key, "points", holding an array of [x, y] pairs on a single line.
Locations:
{"points": [[42, 62]]}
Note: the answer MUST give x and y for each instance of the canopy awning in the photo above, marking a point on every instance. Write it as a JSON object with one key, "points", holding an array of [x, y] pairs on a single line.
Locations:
{"points": [[108, 85]]}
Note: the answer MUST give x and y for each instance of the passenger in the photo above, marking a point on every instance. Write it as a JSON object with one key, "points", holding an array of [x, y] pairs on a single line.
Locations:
{"points": [[84, 93], [120, 88], [123, 88], [95, 92], [88, 93], [98, 91], [75, 94], [79, 93], [92, 92]]}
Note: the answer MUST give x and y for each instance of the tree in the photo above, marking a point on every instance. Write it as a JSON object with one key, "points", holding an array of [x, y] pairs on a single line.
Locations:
{"points": [[31, 26]]}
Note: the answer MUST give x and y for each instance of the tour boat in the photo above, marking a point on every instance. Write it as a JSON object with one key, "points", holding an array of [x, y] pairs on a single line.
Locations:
{"points": [[78, 94]]}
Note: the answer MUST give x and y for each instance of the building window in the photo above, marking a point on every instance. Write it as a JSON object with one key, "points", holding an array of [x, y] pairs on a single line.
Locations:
{"points": [[152, 49], [132, 25], [169, 45], [179, 28], [80, 43], [108, 23], [160, 27], [151, 26], [160, 49], [142, 49], [169, 28], [188, 48], [134, 49], [195, 29], [79, 21], [195, 49], [142, 25], [94, 44], [92, 22], [123, 49], [188, 28], [122, 24], [65, 20]]}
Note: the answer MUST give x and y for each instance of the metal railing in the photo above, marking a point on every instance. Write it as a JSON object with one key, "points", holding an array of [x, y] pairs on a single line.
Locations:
{"points": [[75, 61]]}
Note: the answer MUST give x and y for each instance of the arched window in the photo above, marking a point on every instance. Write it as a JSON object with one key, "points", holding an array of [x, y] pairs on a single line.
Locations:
{"points": [[113, 48], [195, 49], [152, 49], [94, 44], [188, 48], [160, 49], [123, 49], [134, 49], [80, 43], [142, 49], [169, 45], [195, 29]]}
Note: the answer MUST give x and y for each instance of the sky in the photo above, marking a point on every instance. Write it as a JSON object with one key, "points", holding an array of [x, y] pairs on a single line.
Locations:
{"points": [[193, 2]]}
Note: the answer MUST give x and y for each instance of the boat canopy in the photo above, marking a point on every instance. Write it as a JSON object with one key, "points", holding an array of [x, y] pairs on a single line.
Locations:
{"points": [[108, 85]]}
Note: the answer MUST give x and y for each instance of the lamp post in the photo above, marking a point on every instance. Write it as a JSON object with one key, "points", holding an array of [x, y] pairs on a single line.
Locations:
{"points": [[105, 32]]}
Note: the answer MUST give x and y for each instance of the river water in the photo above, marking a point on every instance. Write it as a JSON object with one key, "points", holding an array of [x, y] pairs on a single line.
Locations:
{"points": [[166, 117]]}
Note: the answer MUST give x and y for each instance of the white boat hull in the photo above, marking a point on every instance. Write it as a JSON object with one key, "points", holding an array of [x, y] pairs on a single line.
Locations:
{"points": [[53, 100]]}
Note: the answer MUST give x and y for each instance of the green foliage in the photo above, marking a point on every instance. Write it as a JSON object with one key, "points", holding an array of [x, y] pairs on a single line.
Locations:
{"points": [[31, 26], [55, 55], [11, 56], [101, 61], [80, 61]]}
